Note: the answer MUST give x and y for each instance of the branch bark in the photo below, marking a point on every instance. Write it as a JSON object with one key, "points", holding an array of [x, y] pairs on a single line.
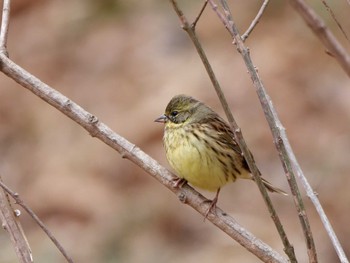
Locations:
{"points": [[20, 202], [276, 127], [11, 224], [323, 33], [284, 148]]}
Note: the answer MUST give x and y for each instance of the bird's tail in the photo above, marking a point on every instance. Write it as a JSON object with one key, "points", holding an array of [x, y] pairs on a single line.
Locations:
{"points": [[271, 188]]}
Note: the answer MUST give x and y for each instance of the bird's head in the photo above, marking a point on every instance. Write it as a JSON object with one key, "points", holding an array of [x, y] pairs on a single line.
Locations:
{"points": [[180, 109]]}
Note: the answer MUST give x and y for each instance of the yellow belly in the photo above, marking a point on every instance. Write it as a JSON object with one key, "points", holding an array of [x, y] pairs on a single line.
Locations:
{"points": [[195, 162]]}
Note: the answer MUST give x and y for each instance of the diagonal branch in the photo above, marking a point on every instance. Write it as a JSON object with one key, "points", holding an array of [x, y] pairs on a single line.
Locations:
{"points": [[284, 147], [278, 132], [330, 11], [323, 33], [128, 150], [255, 20], [190, 29]]}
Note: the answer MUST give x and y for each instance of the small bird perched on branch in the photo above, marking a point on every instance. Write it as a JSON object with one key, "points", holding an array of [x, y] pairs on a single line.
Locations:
{"points": [[201, 148]]}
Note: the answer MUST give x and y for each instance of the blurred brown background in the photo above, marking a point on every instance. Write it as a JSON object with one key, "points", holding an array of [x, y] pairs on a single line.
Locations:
{"points": [[123, 61]]}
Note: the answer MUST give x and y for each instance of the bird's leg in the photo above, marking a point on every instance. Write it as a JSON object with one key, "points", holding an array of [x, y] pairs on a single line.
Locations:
{"points": [[179, 182], [212, 206]]}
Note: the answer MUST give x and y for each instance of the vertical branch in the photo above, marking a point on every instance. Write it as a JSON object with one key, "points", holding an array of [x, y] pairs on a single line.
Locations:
{"points": [[278, 131], [190, 29], [284, 148], [4, 25]]}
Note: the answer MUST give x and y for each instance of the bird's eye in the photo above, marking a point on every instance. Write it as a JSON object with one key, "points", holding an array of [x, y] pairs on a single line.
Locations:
{"points": [[174, 113]]}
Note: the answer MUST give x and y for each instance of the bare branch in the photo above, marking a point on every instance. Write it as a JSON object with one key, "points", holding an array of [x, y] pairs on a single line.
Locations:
{"points": [[281, 139], [236, 130], [276, 128], [20, 202], [199, 14], [4, 25], [313, 197], [323, 33], [329, 9], [256, 20], [134, 154], [13, 227], [229, 24]]}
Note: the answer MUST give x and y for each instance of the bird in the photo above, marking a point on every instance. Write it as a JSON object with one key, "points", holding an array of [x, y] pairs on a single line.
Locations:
{"points": [[201, 148]]}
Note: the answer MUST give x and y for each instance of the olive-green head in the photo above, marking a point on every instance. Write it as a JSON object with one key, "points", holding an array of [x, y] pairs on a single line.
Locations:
{"points": [[183, 108]]}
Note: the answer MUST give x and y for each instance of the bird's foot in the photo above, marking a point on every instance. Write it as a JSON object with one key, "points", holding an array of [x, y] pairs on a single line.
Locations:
{"points": [[179, 182], [212, 207]]}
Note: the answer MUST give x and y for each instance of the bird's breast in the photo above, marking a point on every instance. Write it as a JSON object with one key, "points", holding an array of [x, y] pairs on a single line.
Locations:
{"points": [[193, 159]]}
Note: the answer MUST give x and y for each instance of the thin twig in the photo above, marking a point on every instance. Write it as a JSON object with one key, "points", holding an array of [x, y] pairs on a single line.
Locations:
{"points": [[238, 135], [13, 227], [4, 25], [128, 150], [323, 33], [199, 14], [256, 20], [329, 9], [20, 202]]}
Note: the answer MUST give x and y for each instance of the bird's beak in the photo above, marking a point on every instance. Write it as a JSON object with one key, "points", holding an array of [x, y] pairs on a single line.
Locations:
{"points": [[161, 119]]}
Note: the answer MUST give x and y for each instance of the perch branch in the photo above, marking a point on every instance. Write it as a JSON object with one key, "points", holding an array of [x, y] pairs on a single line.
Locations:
{"points": [[128, 150]]}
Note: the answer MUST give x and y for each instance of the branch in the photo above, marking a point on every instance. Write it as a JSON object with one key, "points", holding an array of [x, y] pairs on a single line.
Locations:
{"points": [[323, 33], [20, 202], [130, 151], [329, 9], [11, 224], [256, 20], [283, 146], [277, 131], [4, 25], [190, 29]]}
